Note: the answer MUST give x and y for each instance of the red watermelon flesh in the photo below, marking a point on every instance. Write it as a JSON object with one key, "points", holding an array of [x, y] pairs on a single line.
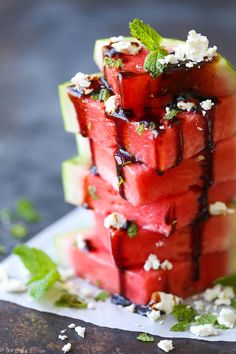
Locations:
{"points": [[133, 251], [162, 215], [143, 185], [138, 285], [159, 151], [136, 87]]}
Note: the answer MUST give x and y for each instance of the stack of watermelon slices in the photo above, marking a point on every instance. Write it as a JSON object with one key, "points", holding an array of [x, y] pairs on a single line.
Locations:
{"points": [[157, 166]]}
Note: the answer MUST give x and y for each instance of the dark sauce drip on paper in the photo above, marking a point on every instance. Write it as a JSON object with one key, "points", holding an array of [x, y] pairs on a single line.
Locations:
{"points": [[118, 299]]}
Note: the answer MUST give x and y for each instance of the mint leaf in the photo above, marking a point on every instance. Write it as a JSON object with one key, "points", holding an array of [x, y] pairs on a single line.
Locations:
{"points": [[171, 114], [145, 33], [144, 337], [43, 270], [207, 318], [92, 191], [220, 326], [19, 230], [227, 281], [102, 296], [102, 95], [72, 301], [113, 63], [140, 128], [151, 63], [26, 210], [180, 326], [132, 230], [184, 313]]}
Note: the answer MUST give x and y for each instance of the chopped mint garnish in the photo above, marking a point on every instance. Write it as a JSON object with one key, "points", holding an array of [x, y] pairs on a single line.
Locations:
{"points": [[227, 281], [26, 210], [19, 230], [102, 296], [180, 326], [120, 181], [152, 41], [207, 318], [89, 125], [145, 337], [71, 300], [113, 63], [184, 313], [43, 270], [220, 326], [171, 114], [140, 128], [101, 95], [152, 125], [92, 191], [132, 230]]}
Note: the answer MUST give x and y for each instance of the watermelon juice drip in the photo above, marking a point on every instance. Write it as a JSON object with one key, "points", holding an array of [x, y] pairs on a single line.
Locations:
{"points": [[203, 214]]}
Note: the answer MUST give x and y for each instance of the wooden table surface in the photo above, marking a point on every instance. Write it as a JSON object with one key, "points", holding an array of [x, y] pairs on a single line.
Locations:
{"points": [[43, 43]]}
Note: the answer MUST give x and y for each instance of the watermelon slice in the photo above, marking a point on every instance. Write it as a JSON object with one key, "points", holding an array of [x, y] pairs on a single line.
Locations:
{"points": [[97, 266], [136, 87], [131, 251], [94, 192], [142, 185]]}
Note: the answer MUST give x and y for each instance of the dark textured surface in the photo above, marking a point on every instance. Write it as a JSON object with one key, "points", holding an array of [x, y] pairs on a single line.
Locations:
{"points": [[43, 43]]}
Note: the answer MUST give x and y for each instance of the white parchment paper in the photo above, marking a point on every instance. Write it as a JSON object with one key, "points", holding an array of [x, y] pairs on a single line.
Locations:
{"points": [[105, 314]]}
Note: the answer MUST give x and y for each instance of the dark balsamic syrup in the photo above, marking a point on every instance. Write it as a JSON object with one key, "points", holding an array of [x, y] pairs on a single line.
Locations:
{"points": [[118, 299]]}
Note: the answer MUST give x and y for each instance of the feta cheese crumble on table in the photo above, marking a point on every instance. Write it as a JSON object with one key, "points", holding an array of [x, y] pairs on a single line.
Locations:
{"points": [[204, 330], [227, 317], [154, 315], [62, 337], [72, 325], [116, 220], [80, 331], [66, 348], [166, 302], [165, 345]]}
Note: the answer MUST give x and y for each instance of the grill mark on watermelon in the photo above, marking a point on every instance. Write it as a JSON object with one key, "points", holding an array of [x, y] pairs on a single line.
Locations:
{"points": [[203, 213]]}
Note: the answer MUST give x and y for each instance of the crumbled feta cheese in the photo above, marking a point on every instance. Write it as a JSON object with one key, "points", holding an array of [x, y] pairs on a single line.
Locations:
{"points": [[127, 47], [204, 330], [130, 308], [72, 325], [227, 293], [86, 293], [220, 208], [207, 105], [80, 242], [91, 306], [189, 64], [116, 39], [81, 81], [166, 303], [14, 286], [219, 302], [151, 263], [160, 243], [116, 220], [199, 305], [165, 345], [64, 337], [66, 348], [66, 273], [80, 331], [212, 293], [166, 265], [186, 106], [111, 104], [63, 331], [227, 317], [154, 315]]}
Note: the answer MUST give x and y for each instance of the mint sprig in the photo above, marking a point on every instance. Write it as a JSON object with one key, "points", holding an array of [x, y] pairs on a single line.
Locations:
{"points": [[71, 300], [145, 337], [152, 40], [42, 269], [27, 211], [227, 281]]}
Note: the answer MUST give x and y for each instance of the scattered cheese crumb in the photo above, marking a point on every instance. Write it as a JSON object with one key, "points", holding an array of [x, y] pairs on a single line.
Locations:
{"points": [[81, 81], [207, 105], [91, 306], [166, 265], [63, 331], [111, 104], [160, 243], [116, 220], [212, 293], [227, 317], [165, 345], [116, 39], [66, 348], [185, 106], [66, 273], [80, 331], [199, 305], [64, 337], [220, 208], [166, 303], [204, 330], [14, 286], [72, 325], [154, 315], [151, 263], [80, 242], [127, 47], [130, 308]]}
